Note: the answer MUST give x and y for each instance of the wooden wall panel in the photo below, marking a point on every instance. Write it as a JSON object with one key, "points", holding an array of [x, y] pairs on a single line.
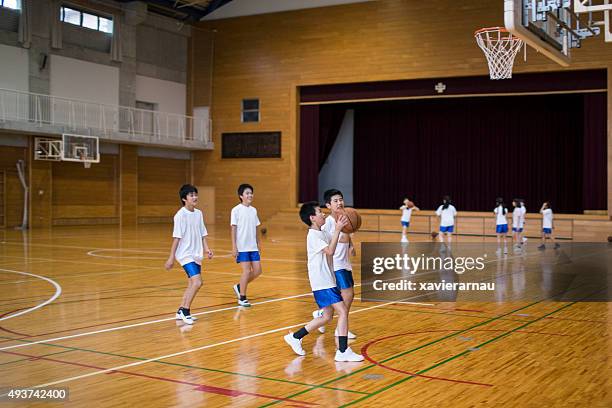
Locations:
{"points": [[159, 181], [269, 56], [13, 189], [81, 195]]}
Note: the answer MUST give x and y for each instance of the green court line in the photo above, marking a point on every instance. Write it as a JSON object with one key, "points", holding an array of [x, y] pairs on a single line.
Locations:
{"points": [[184, 366], [509, 332], [404, 353], [34, 358]]}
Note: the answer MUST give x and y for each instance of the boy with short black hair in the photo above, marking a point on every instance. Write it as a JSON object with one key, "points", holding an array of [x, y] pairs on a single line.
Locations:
{"points": [[343, 270], [245, 242], [188, 247], [320, 248]]}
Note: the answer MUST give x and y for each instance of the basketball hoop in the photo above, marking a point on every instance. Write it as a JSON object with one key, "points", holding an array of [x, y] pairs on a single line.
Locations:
{"points": [[500, 47], [87, 164]]}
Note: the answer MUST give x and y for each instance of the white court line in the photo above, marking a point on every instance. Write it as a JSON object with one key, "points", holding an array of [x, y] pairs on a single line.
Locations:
{"points": [[163, 320], [137, 363], [139, 268], [128, 326], [58, 291]]}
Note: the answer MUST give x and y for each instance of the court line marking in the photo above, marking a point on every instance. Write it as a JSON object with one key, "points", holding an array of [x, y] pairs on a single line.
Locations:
{"points": [[58, 291], [228, 392], [180, 353], [200, 313], [168, 363], [505, 334], [482, 323]]}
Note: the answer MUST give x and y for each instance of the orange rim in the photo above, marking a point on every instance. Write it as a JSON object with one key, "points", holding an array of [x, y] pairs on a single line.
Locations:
{"points": [[500, 29]]}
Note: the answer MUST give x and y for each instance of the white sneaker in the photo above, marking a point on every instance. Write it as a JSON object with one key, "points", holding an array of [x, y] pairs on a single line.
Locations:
{"points": [[237, 290], [348, 355], [317, 314], [350, 335], [404, 239], [244, 303], [185, 319], [295, 344], [524, 239], [178, 317]]}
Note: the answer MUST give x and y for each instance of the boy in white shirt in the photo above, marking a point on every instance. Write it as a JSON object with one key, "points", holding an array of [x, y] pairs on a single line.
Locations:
{"points": [[341, 263], [547, 225], [407, 210], [188, 247], [245, 242], [447, 213], [321, 248]]}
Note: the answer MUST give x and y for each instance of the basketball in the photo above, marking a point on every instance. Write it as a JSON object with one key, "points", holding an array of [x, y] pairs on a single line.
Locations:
{"points": [[434, 234], [410, 204], [354, 221]]}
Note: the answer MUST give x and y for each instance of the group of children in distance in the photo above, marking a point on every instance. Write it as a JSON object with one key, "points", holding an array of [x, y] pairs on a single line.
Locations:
{"points": [[447, 213], [328, 250]]}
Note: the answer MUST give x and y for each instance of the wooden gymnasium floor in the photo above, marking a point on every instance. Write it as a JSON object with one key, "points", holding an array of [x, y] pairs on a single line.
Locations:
{"points": [[111, 337]]}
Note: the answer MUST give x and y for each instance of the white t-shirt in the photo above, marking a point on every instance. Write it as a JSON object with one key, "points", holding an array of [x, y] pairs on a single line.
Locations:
{"points": [[189, 227], [246, 221], [318, 269], [406, 213], [341, 255], [447, 217], [547, 218], [500, 213], [522, 219]]}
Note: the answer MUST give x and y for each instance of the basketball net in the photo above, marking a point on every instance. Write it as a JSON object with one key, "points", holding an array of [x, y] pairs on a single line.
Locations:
{"points": [[500, 48]]}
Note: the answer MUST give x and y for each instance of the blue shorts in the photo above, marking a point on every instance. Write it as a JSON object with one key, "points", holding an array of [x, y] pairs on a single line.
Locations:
{"points": [[327, 297], [517, 229], [447, 229], [547, 230], [192, 269], [405, 224], [251, 256], [344, 279], [501, 228]]}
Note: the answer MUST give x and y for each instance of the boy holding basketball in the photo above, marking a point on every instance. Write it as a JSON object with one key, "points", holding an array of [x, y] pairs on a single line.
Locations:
{"points": [[188, 247], [320, 248], [245, 242], [342, 267]]}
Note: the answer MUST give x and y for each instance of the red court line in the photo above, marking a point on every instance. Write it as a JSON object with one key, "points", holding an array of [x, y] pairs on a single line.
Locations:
{"points": [[576, 320], [364, 352], [10, 331], [199, 387]]}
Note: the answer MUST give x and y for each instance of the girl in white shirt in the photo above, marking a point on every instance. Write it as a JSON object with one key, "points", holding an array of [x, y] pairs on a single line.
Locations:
{"points": [[407, 210], [447, 213], [547, 225], [518, 220], [501, 223]]}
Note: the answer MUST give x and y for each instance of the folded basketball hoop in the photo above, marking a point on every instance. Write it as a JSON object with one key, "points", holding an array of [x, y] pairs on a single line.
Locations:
{"points": [[500, 48]]}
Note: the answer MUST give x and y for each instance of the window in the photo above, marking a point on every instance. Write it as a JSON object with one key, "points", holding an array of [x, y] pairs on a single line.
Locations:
{"points": [[12, 4], [85, 19], [250, 110]]}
